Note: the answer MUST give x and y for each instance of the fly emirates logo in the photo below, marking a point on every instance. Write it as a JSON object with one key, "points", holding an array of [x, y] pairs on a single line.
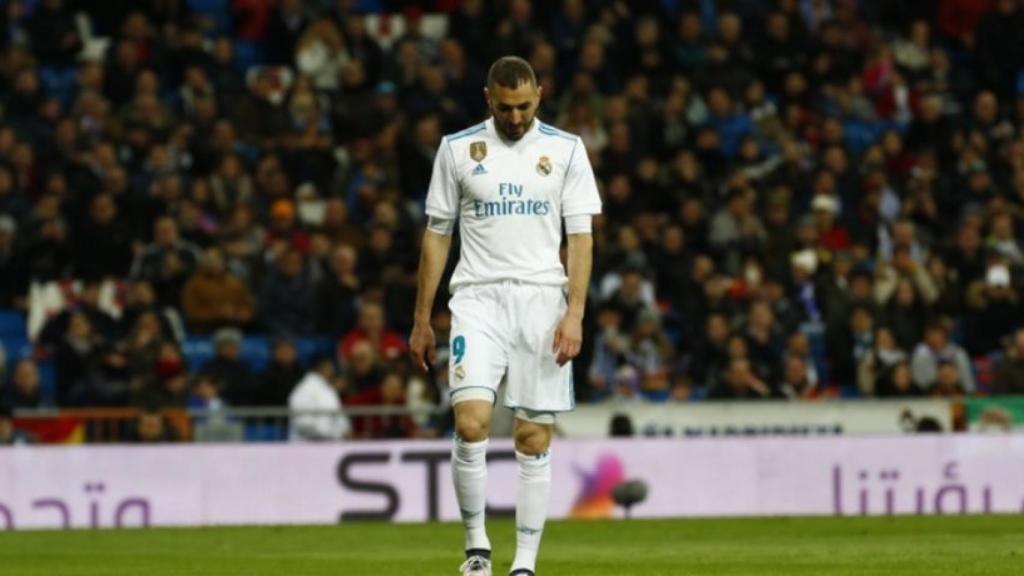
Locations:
{"points": [[510, 202]]}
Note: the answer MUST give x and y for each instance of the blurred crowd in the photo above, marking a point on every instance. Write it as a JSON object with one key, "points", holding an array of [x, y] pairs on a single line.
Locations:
{"points": [[803, 198]]}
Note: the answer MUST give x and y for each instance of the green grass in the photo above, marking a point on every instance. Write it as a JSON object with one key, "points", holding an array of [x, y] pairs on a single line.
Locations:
{"points": [[963, 546]]}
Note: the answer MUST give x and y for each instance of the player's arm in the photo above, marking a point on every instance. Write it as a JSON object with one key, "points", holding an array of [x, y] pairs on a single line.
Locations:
{"points": [[580, 201], [433, 257], [569, 335], [442, 210]]}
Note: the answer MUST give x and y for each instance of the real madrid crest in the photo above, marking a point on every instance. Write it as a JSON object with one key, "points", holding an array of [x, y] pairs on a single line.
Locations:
{"points": [[478, 151], [544, 166], [460, 373]]}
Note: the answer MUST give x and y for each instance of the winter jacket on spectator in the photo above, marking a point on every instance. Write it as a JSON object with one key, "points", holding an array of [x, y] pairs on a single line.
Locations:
{"points": [[213, 298], [286, 299]]}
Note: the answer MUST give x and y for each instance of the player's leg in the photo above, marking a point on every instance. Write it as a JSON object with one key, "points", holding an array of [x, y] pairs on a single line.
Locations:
{"points": [[533, 453], [477, 362], [538, 388], [469, 465]]}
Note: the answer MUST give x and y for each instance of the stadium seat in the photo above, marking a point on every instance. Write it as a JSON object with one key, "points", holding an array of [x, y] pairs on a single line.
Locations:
{"points": [[12, 324], [256, 352], [198, 350], [48, 381], [216, 12], [16, 347], [266, 432]]}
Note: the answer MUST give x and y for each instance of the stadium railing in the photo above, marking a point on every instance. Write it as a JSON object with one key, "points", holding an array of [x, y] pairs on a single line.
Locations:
{"points": [[235, 424]]}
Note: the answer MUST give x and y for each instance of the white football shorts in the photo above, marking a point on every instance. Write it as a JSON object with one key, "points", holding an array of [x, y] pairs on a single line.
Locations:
{"points": [[505, 330]]}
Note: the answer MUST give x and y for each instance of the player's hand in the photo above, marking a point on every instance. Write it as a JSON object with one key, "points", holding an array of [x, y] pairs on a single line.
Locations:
{"points": [[422, 345], [568, 338]]}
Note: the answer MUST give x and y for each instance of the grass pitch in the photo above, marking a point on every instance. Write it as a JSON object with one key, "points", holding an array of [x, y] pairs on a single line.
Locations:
{"points": [[961, 546]]}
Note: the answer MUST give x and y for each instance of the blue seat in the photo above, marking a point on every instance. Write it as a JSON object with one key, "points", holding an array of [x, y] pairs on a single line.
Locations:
{"points": [[216, 12], [266, 432], [12, 324], [15, 348], [198, 350], [307, 348], [48, 381], [255, 352], [249, 54]]}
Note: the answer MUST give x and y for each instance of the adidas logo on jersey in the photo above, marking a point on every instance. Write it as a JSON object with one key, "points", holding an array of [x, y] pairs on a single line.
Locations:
{"points": [[479, 170]]}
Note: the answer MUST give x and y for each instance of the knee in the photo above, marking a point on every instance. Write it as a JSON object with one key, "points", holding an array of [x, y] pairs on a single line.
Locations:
{"points": [[533, 440], [471, 430]]}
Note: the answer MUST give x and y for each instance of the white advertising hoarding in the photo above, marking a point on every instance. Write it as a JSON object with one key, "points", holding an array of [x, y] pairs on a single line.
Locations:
{"points": [[193, 485], [758, 418]]}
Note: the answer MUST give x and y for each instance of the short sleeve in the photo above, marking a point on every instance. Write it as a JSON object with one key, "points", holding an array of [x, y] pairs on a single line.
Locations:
{"points": [[579, 195], [443, 194]]}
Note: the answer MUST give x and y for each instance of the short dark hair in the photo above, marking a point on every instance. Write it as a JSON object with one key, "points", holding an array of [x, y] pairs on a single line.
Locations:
{"points": [[511, 72]]}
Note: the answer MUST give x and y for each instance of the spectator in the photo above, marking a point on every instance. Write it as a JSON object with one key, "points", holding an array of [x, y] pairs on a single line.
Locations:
{"points": [[795, 383], [87, 303], [23, 389], [139, 300], [390, 394], [896, 382], [316, 405], [54, 34], [993, 309], [764, 342], [103, 242], [906, 314], [214, 298], [337, 292], [832, 235], [167, 262], [227, 367], [610, 349], [372, 328], [13, 272], [650, 352], [9, 434], [740, 383], [285, 304], [710, 356], [736, 230], [631, 296], [128, 366], [281, 375], [152, 428], [947, 381], [365, 370], [1010, 377], [76, 358], [937, 348], [879, 362], [170, 386], [205, 394]]}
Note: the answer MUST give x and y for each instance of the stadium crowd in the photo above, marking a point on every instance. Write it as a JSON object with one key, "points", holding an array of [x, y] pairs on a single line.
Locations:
{"points": [[803, 198]]}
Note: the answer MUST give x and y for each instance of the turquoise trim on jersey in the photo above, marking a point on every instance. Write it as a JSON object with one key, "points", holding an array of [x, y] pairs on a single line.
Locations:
{"points": [[468, 131], [552, 131], [572, 390], [572, 155]]}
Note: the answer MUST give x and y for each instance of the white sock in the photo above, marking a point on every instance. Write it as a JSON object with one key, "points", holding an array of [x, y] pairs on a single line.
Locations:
{"points": [[469, 474], [531, 507]]}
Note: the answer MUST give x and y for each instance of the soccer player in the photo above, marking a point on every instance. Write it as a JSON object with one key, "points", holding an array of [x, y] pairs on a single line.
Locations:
{"points": [[509, 182]]}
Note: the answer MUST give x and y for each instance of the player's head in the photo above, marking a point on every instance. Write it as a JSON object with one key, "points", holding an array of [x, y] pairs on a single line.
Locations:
{"points": [[512, 95]]}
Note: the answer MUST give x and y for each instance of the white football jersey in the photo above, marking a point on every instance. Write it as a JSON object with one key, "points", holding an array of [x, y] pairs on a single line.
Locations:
{"points": [[509, 198]]}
